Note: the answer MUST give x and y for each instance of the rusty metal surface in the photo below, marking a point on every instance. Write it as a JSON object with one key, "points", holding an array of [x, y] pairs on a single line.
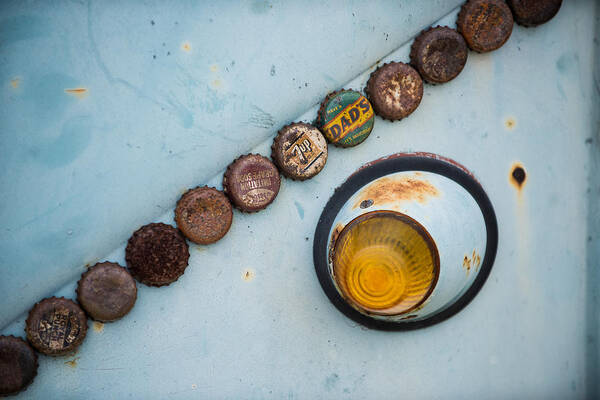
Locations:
{"points": [[248, 318]]}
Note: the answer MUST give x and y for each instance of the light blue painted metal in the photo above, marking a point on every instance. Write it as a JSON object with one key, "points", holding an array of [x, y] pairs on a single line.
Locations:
{"points": [[75, 185]]}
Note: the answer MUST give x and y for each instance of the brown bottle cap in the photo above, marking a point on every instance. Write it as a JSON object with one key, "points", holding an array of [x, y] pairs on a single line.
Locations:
{"points": [[534, 12], [203, 215], [485, 24], [18, 365], [395, 90], [157, 254], [299, 150], [56, 326], [345, 118], [251, 182], [439, 54], [106, 292]]}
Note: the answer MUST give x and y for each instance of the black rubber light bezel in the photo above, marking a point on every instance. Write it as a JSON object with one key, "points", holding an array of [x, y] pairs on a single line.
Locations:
{"points": [[386, 166]]}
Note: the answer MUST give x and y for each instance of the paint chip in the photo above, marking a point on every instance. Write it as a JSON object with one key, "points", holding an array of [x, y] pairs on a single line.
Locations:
{"points": [[98, 327], [510, 123], [248, 274], [72, 363]]}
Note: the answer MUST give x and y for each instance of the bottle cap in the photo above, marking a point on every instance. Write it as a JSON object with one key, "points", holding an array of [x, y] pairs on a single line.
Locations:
{"points": [[299, 150], [106, 292], [56, 326], [203, 215], [485, 24], [395, 90], [439, 54], [345, 118], [157, 254], [534, 12], [18, 365], [251, 182]]}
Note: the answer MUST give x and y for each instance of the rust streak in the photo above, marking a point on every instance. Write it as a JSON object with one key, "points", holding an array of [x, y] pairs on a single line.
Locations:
{"points": [[336, 233], [388, 190], [77, 92], [517, 176]]}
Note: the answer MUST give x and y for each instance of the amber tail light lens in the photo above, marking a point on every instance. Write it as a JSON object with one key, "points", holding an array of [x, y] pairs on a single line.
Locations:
{"points": [[385, 263]]}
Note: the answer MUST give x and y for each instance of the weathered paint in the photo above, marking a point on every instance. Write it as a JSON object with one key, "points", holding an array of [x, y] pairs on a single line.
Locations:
{"points": [[388, 190]]}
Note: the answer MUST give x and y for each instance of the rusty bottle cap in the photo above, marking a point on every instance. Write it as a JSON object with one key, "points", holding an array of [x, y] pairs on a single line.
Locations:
{"points": [[56, 326], [106, 292], [395, 90], [485, 24], [439, 54], [251, 182], [299, 150], [534, 12], [157, 254], [18, 365], [345, 118], [203, 215]]}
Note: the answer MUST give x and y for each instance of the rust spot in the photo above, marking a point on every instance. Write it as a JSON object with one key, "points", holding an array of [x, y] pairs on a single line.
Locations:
{"points": [[510, 123], [248, 274], [472, 262], [186, 46], [334, 236], [15, 83], [217, 83], [72, 363], [467, 264], [98, 327], [518, 176], [80, 93], [388, 190], [214, 68]]}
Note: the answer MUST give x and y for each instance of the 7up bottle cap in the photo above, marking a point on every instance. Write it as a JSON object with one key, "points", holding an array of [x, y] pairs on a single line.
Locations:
{"points": [[346, 118], [299, 150]]}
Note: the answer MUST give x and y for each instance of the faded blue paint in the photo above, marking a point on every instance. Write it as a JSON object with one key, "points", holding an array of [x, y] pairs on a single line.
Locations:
{"points": [[152, 127]]}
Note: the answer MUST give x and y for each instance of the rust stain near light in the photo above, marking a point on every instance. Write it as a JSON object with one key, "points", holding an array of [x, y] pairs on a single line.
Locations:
{"points": [[98, 327], [80, 93], [510, 123], [336, 233], [474, 261], [517, 176], [389, 190]]}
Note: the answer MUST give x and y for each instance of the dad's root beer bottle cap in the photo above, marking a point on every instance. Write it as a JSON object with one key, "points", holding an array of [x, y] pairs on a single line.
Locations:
{"points": [[56, 326], [106, 292], [251, 182], [485, 24], [299, 150], [157, 254], [439, 54], [18, 365], [346, 118], [395, 90], [204, 215]]}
